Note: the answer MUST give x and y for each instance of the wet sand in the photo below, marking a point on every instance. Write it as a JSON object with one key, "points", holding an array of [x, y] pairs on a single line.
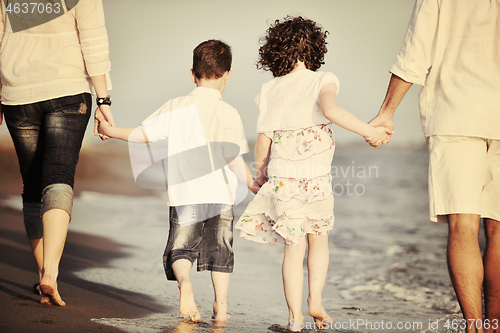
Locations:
{"points": [[85, 300], [387, 261]]}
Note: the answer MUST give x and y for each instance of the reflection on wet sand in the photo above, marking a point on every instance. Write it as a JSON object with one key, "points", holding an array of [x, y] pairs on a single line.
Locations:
{"points": [[186, 326]]}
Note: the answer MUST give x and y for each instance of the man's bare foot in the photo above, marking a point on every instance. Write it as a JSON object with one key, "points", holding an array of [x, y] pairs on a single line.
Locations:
{"points": [[220, 313], [187, 306], [321, 318], [48, 286]]}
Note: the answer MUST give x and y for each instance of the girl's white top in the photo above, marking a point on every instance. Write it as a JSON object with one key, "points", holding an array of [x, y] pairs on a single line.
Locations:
{"points": [[291, 101]]}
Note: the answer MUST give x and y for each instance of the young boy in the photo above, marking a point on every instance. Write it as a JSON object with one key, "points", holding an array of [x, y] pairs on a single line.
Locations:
{"points": [[201, 216]]}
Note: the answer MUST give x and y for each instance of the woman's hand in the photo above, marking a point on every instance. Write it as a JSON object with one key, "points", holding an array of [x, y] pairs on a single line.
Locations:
{"points": [[102, 125], [104, 113]]}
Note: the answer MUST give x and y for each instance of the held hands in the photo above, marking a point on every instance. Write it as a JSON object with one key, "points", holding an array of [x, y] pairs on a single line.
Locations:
{"points": [[103, 114], [381, 136], [385, 126], [102, 125]]}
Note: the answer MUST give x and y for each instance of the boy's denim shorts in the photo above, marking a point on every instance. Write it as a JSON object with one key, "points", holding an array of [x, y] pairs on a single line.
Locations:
{"points": [[209, 241]]}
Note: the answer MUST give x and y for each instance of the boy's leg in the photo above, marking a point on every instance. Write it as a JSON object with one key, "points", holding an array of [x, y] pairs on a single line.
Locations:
{"points": [[293, 281], [318, 259], [220, 281], [216, 255], [187, 305], [184, 238]]}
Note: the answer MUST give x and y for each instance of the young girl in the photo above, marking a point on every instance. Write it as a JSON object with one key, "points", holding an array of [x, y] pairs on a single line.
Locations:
{"points": [[293, 156]]}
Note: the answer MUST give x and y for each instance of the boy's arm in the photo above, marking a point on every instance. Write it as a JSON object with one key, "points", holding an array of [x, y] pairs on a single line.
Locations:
{"points": [[130, 134], [261, 155], [343, 118], [241, 170]]}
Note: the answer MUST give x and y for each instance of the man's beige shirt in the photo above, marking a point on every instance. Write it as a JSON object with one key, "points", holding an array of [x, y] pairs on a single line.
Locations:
{"points": [[452, 49]]}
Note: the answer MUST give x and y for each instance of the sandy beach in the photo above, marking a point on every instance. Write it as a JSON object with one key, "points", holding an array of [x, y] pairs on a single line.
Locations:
{"points": [[387, 260]]}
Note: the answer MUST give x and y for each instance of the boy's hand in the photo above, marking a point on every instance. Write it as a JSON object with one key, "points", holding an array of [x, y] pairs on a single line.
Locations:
{"points": [[381, 136]]}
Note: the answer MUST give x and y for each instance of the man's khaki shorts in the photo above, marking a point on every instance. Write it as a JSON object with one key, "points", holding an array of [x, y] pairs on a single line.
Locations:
{"points": [[464, 177]]}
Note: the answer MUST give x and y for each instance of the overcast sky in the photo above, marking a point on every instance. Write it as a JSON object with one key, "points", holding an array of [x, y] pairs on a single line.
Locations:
{"points": [[151, 45]]}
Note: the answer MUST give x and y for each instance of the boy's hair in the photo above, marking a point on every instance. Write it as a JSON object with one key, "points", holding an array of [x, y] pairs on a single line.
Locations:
{"points": [[293, 39], [211, 59]]}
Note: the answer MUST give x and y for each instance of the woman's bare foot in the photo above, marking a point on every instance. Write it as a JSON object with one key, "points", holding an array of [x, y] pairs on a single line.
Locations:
{"points": [[44, 300], [48, 286], [187, 306], [220, 313], [321, 318]]}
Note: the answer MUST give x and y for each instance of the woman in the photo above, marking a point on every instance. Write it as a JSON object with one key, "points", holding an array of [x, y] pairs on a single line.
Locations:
{"points": [[47, 69]]}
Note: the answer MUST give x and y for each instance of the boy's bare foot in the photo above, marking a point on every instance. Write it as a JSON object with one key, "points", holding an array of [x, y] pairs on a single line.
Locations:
{"points": [[220, 313], [48, 287], [187, 306], [321, 318]]}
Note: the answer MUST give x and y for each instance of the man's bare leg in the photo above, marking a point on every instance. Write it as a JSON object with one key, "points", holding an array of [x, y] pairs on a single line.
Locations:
{"points": [[318, 259], [466, 265], [187, 305], [220, 282], [492, 274], [55, 229], [293, 281]]}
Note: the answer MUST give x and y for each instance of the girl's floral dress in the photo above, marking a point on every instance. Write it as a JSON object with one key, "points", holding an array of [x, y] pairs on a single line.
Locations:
{"points": [[297, 199]]}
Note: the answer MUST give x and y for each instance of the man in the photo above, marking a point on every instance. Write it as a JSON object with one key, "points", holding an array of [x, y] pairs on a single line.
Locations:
{"points": [[452, 49]]}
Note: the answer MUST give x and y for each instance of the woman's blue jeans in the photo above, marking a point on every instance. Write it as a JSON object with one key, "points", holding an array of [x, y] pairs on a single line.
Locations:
{"points": [[47, 136]]}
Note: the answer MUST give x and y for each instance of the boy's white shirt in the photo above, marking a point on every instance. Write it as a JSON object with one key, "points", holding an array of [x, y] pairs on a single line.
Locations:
{"points": [[219, 186]]}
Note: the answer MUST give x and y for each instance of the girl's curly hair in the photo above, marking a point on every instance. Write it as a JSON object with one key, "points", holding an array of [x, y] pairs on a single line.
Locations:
{"points": [[293, 39]]}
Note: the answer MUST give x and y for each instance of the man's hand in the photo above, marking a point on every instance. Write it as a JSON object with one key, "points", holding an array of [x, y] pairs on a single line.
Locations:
{"points": [[384, 121]]}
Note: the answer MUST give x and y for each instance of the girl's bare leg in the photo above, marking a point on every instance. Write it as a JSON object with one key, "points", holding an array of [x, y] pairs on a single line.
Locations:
{"points": [[220, 282], [187, 305], [55, 229], [293, 281], [317, 265]]}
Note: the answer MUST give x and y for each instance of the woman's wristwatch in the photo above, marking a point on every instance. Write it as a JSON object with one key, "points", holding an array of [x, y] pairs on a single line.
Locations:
{"points": [[103, 100]]}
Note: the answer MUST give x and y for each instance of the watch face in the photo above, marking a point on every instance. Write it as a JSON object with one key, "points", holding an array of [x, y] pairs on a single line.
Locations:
{"points": [[104, 100]]}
